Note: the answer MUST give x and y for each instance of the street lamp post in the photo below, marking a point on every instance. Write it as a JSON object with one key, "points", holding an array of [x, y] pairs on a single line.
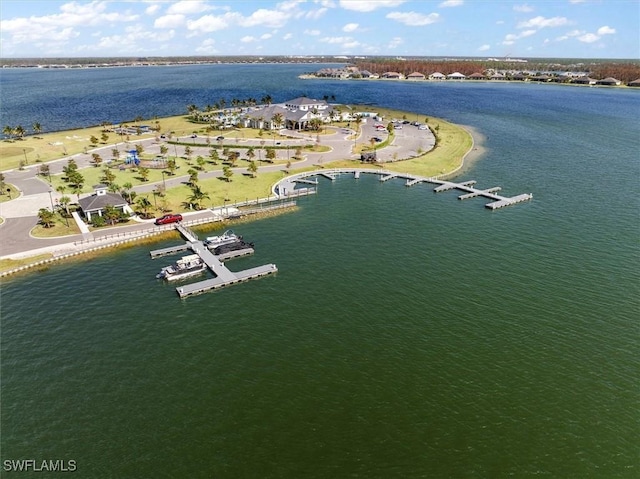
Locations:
{"points": [[51, 199], [164, 185], [24, 151]]}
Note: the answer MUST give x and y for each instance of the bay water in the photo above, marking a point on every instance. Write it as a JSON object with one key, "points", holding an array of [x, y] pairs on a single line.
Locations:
{"points": [[406, 334]]}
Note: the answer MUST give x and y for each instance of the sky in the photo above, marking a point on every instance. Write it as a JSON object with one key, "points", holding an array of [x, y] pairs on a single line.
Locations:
{"points": [[467, 28]]}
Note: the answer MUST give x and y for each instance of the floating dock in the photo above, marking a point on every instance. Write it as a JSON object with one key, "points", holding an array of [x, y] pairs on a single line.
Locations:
{"points": [[498, 201], [224, 276]]}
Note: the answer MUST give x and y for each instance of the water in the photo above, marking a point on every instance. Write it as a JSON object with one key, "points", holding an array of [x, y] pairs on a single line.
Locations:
{"points": [[406, 334]]}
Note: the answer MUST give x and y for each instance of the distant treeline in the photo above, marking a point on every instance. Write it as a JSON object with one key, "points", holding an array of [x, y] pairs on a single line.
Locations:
{"points": [[625, 71]]}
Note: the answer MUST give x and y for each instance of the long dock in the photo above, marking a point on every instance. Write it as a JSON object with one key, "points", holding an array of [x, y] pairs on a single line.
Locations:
{"points": [[223, 275], [470, 191]]}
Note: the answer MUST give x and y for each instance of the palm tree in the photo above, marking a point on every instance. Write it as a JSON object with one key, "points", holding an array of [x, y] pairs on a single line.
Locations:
{"points": [[8, 131], [171, 166], [197, 195], [19, 131], [358, 121], [193, 176], [144, 203], [37, 128], [127, 189], [251, 154], [188, 152], [114, 188], [115, 153], [61, 189], [111, 214], [164, 149], [64, 201], [46, 217]]}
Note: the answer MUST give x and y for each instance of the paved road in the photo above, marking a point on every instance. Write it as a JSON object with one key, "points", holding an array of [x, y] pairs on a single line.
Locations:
{"points": [[21, 213]]}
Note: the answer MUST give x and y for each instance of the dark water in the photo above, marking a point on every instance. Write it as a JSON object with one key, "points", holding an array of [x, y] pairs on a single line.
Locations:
{"points": [[406, 334]]}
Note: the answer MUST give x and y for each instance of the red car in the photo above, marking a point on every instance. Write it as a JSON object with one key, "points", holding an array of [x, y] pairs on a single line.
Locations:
{"points": [[166, 219]]}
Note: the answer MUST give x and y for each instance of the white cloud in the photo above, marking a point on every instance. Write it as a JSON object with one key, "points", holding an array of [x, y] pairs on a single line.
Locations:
{"points": [[523, 8], [500, 22], [207, 47], [527, 33], [589, 38], [326, 3], [334, 40], [288, 36], [312, 32], [606, 30], [451, 3], [265, 36], [213, 23], [268, 18], [248, 39], [350, 27], [369, 5], [577, 1], [169, 21], [413, 19], [542, 22], [188, 7], [152, 9], [315, 14], [484, 48]]}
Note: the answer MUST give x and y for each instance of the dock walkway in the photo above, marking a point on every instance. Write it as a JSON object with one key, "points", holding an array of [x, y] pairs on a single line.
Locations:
{"points": [[223, 275], [286, 185]]}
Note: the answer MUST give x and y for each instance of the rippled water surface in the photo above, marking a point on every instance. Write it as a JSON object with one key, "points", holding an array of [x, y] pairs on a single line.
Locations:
{"points": [[406, 334]]}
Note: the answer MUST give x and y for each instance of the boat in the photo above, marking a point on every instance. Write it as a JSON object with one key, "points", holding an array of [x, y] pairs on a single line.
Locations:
{"points": [[185, 267], [227, 237], [235, 246]]}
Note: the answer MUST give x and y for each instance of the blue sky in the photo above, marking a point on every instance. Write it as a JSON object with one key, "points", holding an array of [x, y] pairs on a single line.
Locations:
{"points": [[474, 28]]}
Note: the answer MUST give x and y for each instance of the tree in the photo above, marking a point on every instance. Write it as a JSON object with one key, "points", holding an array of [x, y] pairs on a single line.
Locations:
{"points": [[163, 150], [61, 189], [144, 203], [390, 128], [358, 121], [127, 189], [196, 197], [96, 159], [108, 176], [104, 137], [45, 171], [188, 152], [37, 128], [2, 183], [46, 217], [271, 154], [213, 154], [277, 120], [19, 131], [251, 154], [111, 214], [193, 176], [114, 188], [227, 172], [253, 169], [115, 153], [8, 131], [144, 173], [171, 166], [75, 178], [200, 161], [233, 157], [139, 149], [93, 140], [64, 201]]}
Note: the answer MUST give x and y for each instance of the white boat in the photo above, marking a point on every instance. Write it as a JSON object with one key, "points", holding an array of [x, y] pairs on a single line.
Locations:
{"points": [[227, 237], [185, 267]]}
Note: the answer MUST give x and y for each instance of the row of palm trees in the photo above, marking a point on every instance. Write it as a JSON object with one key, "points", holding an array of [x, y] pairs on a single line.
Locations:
{"points": [[18, 132]]}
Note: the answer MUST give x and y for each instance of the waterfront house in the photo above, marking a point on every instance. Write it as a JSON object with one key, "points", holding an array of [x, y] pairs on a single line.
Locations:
{"points": [[476, 76], [393, 75], [416, 76], [437, 76], [456, 76], [96, 203], [635, 83], [609, 81], [584, 81]]}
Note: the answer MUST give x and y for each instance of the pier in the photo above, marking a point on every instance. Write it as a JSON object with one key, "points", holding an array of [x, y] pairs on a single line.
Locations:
{"points": [[223, 276], [470, 191]]}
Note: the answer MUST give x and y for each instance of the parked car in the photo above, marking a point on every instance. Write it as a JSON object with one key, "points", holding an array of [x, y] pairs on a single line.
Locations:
{"points": [[167, 219], [220, 138]]}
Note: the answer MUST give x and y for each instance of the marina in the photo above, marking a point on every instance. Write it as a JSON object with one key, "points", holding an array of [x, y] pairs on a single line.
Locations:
{"points": [[287, 186], [202, 255]]}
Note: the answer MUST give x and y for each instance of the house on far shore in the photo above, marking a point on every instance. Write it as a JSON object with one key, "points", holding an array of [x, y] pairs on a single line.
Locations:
{"points": [[456, 76], [609, 81], [634, 83], [416, 76], [476, 76], [437, 76], [96, 203], [584, 81], [392, 75]]}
